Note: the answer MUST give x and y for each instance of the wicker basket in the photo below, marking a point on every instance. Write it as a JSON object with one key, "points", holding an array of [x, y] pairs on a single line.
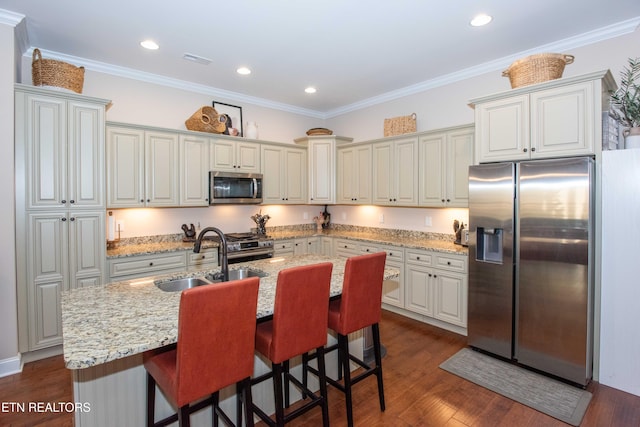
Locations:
{"points": [[400, 125], [49, 72], [537, 69], [206, 119]]}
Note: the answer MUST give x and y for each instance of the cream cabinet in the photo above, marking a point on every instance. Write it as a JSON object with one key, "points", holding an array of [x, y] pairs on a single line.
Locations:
{"points": [[285, 174], [283, 247], [206, 259], [235, 156], [445, 157], [451, 289], [142, 168], [437, 286], [194, 170], [395, 172], [65, 250], [322, 166], [552, 119], [60, 206], [64, 150], [419, 282], [354, 174], [137, 266]]}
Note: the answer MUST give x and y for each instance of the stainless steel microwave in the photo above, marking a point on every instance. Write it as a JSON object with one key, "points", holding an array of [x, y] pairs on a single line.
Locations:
{"points": [[235, 188]]}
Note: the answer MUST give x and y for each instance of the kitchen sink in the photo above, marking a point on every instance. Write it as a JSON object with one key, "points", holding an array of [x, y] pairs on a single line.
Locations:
{"points": [[237, 274], [177, 285]]}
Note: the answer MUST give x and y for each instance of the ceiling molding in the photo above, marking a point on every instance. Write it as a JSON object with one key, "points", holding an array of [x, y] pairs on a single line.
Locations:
{"points": [[10, 18], [601, 34]]}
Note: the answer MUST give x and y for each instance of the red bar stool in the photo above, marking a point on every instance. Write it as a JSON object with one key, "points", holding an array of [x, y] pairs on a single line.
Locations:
{"points": [[215, 349], [299, 325], [358, 307]]}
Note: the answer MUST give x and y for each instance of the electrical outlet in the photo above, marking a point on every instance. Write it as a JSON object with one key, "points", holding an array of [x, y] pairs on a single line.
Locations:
{"points": [[119, 226], [305, 215], [427, 221], [381, 218], [344, 216]]}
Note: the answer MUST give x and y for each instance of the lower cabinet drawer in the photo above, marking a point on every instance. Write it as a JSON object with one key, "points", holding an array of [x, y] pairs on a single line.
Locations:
{"points": [[451, 262], [420, 258], [146, 265], [205, 259]]}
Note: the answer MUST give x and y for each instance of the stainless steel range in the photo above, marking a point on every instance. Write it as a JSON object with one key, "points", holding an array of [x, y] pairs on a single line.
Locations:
{"points": [[242, 247]]}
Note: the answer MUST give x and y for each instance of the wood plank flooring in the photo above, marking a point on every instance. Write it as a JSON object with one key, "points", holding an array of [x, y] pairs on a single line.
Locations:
{"points": [[417, 392]]}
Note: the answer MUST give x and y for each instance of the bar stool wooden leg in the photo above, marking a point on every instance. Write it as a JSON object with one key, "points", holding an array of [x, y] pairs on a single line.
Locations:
{"points": [[375, 329], [323, 386], [151, 400], [343, 355]]}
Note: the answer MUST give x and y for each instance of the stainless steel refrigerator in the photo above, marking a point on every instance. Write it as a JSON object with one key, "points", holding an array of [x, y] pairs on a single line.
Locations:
{"points": [[531, 264]]}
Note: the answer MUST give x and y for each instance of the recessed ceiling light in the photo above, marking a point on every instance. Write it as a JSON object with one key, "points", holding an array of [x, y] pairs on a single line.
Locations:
{"points": [[243, 70], [310, 89], [480, 20], [149, 44]]}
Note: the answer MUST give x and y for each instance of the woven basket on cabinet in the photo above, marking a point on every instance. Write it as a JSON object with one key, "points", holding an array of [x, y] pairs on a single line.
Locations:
{"points": [[537, 69], [49, 72]]}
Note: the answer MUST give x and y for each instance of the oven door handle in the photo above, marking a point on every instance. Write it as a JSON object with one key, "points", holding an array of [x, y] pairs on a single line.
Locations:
{"points": [[242, 254]]}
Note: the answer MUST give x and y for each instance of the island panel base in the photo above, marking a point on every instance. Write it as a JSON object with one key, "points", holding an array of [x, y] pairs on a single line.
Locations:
{"points": [[116, 391]]}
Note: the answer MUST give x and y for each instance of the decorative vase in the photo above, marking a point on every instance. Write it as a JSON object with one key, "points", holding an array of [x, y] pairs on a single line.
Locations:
{"points": [[632, 138], [252, 130]]}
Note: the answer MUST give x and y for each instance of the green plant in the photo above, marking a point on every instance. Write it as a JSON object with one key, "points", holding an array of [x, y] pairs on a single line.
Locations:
{"points": [[625, 102]]}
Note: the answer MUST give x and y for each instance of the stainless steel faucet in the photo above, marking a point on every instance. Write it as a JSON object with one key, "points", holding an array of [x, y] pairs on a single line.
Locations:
{"points": [[224, 260]]}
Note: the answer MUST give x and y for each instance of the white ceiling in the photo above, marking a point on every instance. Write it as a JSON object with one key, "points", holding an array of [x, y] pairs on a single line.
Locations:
{"points": [[355, 52]]}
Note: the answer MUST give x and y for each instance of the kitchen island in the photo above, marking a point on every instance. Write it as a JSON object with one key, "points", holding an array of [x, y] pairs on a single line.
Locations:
{"points": [[107, 328]]}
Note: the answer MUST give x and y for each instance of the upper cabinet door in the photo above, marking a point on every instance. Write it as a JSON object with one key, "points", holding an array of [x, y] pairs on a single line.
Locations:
{"points": [[125, 168], [502, 129], [562, 121], [232, 156], [161, 164], [46, 151], [322, 171], [432, 174], [86, 155], [194, 170], [459, 158]]}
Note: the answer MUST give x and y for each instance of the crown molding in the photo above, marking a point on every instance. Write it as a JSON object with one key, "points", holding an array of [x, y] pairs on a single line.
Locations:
{"points": [[8, 17], [601, 34]]}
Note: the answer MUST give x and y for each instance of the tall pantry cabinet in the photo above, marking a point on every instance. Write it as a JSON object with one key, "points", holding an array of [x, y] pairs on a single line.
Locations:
{"points": [[60, 205]]}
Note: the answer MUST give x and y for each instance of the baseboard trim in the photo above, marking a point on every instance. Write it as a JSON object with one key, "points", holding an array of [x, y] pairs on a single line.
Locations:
{"points": [[10, 366]]}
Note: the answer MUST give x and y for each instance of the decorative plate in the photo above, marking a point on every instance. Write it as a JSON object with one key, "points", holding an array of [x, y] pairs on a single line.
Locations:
{"points": [[319, 131]]}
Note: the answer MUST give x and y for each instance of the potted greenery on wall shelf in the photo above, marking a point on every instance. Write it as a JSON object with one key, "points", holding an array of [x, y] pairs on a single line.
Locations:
{"points": [[625, 103]]}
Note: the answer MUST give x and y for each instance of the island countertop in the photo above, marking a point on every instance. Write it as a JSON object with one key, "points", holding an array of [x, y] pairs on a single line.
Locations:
{"points": [[109, 322]]}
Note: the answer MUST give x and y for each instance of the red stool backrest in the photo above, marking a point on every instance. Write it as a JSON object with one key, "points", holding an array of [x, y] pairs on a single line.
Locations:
{"points": [[300, 312], [361, 300], [216, 337]]}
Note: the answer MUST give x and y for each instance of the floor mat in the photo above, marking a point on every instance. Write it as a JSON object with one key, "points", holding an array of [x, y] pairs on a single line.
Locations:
{"points": [[554, 398]]}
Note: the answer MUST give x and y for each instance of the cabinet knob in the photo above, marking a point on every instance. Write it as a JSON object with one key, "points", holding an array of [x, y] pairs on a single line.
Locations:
{"points": [[448, 200], [141, 200], [429, 274], [367, 250], [148, 200], [72, 201], [64, 219], [150, 264], [448, 262], [309, 242], [63, 202], [435, 275], [442, 200], [417, 257], [524, 150], [390, 253], [72, 219], [533, 148]]}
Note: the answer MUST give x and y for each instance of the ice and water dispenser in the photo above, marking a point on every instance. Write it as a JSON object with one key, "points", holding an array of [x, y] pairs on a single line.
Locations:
{"points": [[489, 244]]}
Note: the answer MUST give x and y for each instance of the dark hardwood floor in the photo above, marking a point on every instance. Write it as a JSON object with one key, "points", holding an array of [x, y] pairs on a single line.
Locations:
{"points": [[417, 392]]}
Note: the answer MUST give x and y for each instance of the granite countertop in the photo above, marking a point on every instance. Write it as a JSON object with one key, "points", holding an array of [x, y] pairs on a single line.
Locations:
{"points": [[109, 322], [402, 239]]}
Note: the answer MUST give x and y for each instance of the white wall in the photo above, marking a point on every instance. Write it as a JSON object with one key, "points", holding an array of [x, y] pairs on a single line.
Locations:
{"points": [[9, 360]]}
